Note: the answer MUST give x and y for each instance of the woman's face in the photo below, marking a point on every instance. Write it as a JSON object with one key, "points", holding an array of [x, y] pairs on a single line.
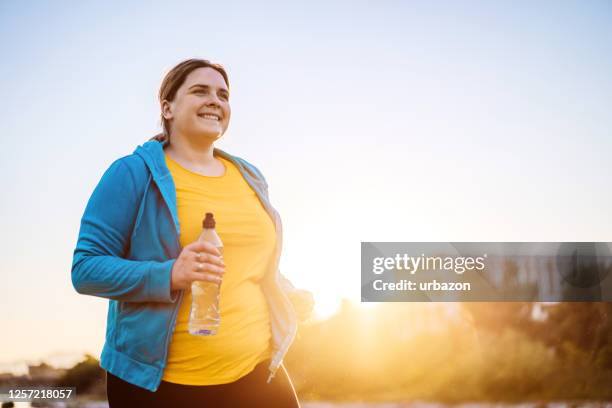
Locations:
{"points": [[200, 107]]}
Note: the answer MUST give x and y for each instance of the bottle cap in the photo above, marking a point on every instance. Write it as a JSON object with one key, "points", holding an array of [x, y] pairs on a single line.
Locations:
{"points": [[209, 221]]}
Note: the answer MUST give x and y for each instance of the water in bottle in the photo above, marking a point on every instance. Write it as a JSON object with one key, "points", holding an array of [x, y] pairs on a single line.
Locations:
{"points": [[205, 316]]}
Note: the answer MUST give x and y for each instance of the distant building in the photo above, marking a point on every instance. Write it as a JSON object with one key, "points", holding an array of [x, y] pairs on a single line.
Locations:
{"points": [[6, 377]]}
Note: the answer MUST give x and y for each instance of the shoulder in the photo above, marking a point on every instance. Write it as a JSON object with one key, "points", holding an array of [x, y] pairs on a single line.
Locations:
{"points": [[127, 173], [247, 167], [133, 163], [251, 168]]}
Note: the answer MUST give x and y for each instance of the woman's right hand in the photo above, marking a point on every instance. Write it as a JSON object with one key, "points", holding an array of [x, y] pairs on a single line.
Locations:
{"points": [[198, 261]]}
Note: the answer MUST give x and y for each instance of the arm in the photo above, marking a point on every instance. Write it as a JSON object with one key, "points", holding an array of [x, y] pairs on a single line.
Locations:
{"points": [[98, 266]]}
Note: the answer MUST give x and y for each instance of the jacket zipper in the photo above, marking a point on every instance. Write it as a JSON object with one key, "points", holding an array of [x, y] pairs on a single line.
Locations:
{"points": [[177, 304]]}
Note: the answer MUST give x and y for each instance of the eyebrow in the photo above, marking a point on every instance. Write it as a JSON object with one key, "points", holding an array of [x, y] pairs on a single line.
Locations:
{"points": [[207, 87]]}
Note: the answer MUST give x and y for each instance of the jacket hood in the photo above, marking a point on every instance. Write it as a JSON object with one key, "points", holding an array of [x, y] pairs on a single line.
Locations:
{"points": [[152, 153]]}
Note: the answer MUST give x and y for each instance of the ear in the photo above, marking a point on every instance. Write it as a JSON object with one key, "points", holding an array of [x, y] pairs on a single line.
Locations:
{"points": [[166, 110]]}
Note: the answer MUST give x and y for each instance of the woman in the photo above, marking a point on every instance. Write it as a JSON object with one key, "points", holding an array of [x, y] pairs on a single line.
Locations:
{"points": [[138, 247]]}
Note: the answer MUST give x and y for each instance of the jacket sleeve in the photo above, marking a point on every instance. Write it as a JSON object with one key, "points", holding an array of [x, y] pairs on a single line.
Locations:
{"points": [[98, 265]]}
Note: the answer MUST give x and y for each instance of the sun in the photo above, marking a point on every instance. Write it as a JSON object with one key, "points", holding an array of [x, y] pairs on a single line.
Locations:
{"points": [[326, 307]]}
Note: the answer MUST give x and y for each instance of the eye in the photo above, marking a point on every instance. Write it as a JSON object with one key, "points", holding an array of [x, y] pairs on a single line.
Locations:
{"points": [[224, 97]]}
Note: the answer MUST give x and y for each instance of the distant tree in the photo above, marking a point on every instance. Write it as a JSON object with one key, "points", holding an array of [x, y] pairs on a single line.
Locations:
{"points": [[586, 325], [494, 317], [84, 375]]}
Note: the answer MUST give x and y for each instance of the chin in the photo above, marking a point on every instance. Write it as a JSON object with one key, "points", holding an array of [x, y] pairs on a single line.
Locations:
{"points": [[210, 134], [207, 131]]}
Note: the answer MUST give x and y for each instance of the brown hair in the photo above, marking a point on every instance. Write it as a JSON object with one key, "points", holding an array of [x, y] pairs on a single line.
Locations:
{"points": [[173, 81]]}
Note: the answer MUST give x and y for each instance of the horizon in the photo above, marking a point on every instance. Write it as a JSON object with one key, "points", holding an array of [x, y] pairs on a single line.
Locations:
{"points": [[466, 121]]}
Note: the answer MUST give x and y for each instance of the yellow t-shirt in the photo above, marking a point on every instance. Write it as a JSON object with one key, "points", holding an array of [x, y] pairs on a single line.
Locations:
{"points": [[249, 239]]}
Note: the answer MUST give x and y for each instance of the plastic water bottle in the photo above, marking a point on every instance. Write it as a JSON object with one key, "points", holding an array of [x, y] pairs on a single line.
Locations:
{"points": [[205, 316]]}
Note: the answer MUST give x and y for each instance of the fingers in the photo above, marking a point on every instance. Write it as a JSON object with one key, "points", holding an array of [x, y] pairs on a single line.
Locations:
{"points": [[203, 257], [204, 276], [208, 267], [203, 246], [201, 262]]}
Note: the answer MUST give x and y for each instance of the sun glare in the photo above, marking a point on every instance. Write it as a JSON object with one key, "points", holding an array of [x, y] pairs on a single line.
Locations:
{"points": [[326, 307]]}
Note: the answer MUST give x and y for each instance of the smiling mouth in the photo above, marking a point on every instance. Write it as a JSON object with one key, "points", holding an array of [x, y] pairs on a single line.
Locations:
{"points": [[210, 116]]}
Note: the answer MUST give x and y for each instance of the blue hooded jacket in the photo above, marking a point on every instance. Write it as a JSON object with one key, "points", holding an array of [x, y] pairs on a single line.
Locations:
{"points": [[128, 242]]}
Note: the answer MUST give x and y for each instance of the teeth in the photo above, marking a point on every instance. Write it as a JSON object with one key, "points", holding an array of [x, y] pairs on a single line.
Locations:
{"points": [[209, 116]]}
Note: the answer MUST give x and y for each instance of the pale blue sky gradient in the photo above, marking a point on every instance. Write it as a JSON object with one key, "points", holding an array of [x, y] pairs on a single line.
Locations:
{"points": [[394, 121]]}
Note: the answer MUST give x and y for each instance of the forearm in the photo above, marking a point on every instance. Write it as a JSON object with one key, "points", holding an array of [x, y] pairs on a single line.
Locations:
{"points": [[115, 278]]}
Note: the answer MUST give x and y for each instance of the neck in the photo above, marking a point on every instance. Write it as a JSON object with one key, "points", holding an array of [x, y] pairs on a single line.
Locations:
{"points": [[186, 150]]}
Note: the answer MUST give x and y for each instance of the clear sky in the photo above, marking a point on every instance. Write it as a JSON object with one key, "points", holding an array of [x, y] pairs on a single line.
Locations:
{"points": [[387, 121]]}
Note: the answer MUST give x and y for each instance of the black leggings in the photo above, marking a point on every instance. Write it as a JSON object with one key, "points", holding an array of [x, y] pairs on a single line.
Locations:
{"points": [[248, 391]]}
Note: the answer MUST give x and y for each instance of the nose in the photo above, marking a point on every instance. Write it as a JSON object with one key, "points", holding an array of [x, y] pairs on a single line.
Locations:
{"points": [[213, 100], [216, 105]]}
